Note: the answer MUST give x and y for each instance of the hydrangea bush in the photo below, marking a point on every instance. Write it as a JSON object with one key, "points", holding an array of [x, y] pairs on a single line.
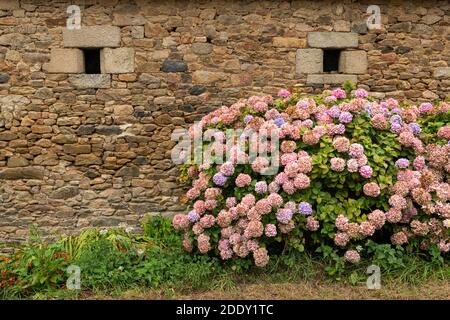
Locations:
{"points": [[351, 169]]}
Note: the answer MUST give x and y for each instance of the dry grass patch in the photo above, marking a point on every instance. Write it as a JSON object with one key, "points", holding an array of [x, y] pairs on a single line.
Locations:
{"points": [[433, 289]]}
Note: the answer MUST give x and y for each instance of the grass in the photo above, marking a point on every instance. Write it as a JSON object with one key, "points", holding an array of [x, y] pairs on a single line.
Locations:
{"points": [[165, 271], [299, 277], [432, 289]]}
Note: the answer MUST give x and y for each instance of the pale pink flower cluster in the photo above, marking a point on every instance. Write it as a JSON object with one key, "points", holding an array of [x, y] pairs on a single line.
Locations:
{"points": [[337, 164], [180, 221], [243, 180], [393, 215], [341, 144], [371, 189], [261, 257], [444, 133], [352, 256], [377, 218], [341, 223], [399, 238], [203, 243], [312, 224], [341, 239]]}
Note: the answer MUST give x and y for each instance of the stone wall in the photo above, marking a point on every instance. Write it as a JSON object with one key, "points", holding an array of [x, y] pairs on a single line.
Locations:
{"points": [[80, 150]]}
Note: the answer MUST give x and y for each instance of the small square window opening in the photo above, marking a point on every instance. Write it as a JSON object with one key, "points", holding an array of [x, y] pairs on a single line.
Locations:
{"points": [[92, 61], [331, 60]]}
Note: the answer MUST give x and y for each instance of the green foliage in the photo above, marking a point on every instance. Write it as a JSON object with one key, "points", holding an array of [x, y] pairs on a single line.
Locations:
{"points": [[335, 263], [33, 267], [160, 230], [103, 265], [386, 256], [174, 267], [349, 86]]}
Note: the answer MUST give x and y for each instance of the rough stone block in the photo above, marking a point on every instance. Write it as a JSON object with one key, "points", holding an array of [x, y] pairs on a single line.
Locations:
{"points": [[353, 62], [22, 173], [330, 78], [332, 39], [309, 61], [65, 61], [206, 77], [4, 77], [289, 42], [173, 66], [9, 4], [92, 37], [202, 48], [442, 73], [120, 19], [17, 161], [120, 60], [86, 81]]}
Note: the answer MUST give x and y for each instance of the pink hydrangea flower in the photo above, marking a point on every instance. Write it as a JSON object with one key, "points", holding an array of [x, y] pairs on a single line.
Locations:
{"points": [[341, 223], [399, 238], [377, 218], [243, 180], [366, 229], [312, 224], [352, 165], [283, 93], [397, 202], [352, 256], [301, 181], [203, 243], [341, 144], [337, 164], [444, 133], [393, 215], [275, 200], [180, 221], [356, 150], [341, 239], [365, 171], [261, 257], [230, 202], [270, 230], [361, 93], [371, 189], [339, 93]]}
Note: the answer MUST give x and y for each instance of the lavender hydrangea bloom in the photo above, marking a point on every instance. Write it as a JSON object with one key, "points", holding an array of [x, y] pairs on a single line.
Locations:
{"points": [[193, 216], [339, 129], [396, 119], [345, 117], [305, 208], [425, 107], [396, 127], [279, 121], [402, 163], [248, 118], [397, 111], [334, 112], [415, 127], [284, 215], [219, 179], [261, 187]]}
